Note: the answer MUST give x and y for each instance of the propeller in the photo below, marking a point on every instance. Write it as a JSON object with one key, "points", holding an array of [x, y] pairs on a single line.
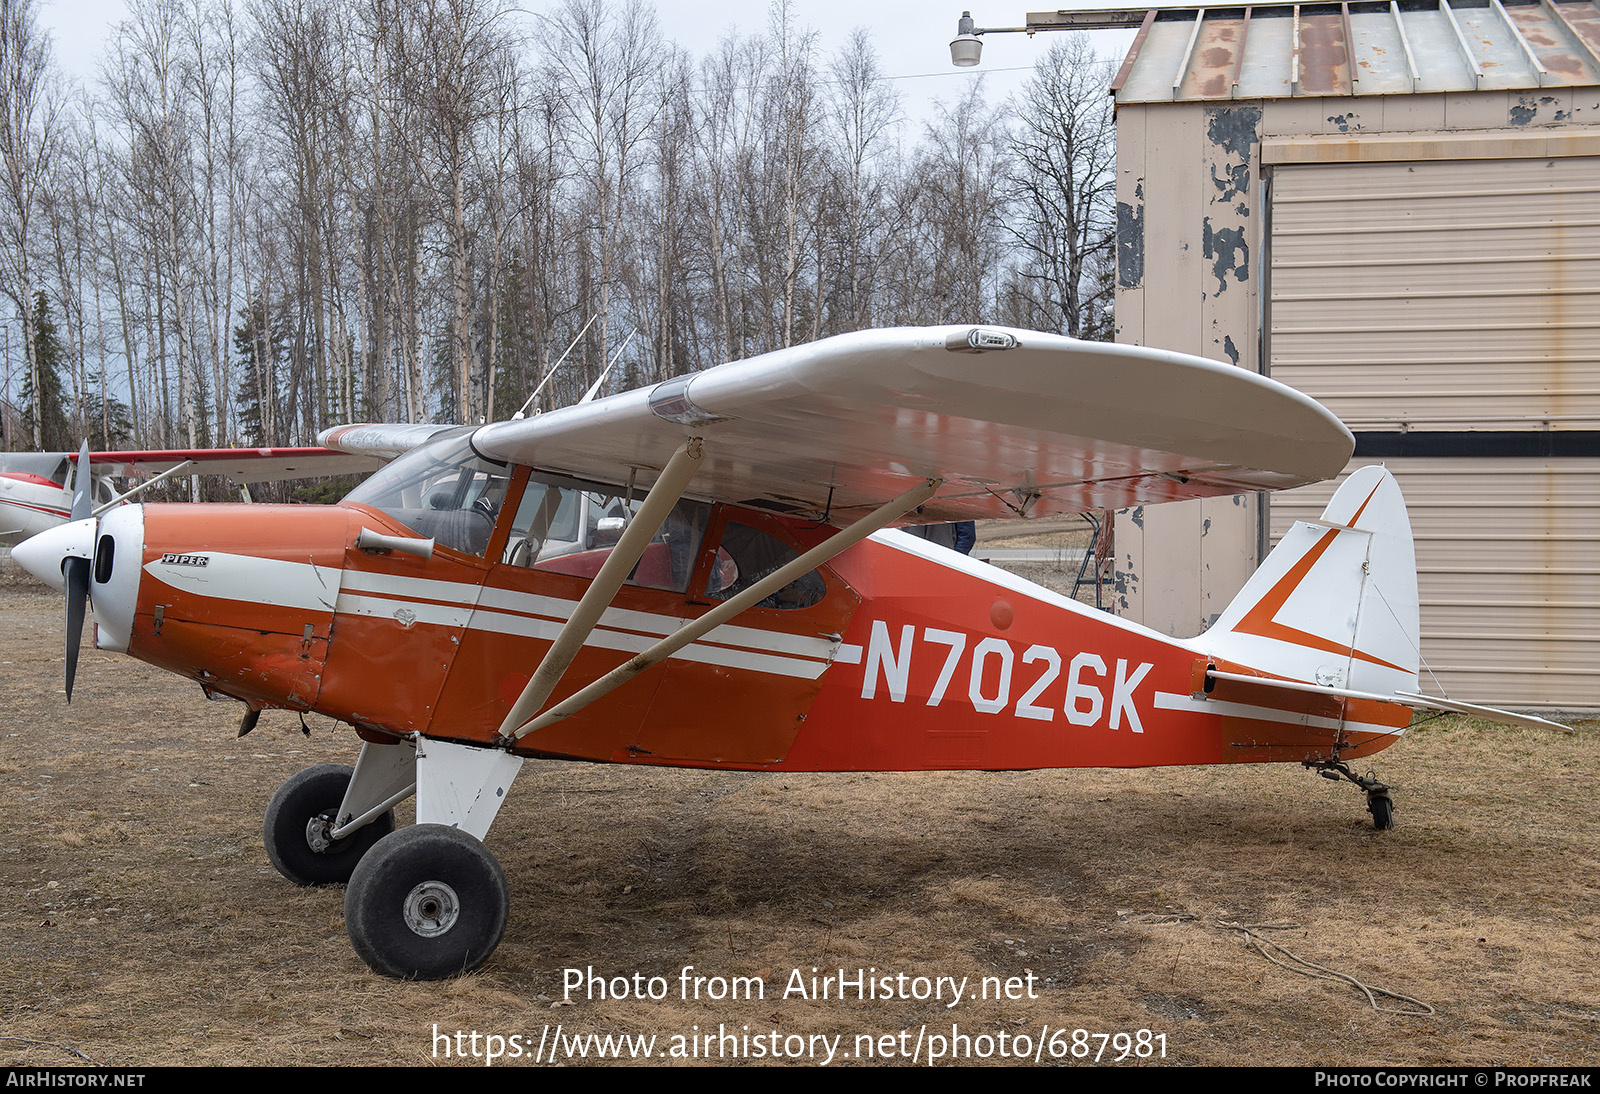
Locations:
{"points": [[75, 568], [63, 557]]}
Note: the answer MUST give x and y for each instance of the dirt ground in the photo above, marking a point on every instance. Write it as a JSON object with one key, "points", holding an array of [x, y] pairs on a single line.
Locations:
{"points": [[142, 924]]}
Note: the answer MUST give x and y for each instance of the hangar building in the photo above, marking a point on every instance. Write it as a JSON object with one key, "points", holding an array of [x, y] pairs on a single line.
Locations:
{"points": [[1394, 207]]}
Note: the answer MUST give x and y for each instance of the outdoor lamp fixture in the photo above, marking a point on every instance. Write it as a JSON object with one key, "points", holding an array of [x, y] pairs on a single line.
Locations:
{"points": [[967, 48]]}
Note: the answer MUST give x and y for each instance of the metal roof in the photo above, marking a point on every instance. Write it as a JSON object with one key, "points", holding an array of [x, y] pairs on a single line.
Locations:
{"points": [[1363, 47]]}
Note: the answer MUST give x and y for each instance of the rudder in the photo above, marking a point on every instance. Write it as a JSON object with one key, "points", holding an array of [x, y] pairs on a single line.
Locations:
{"points": [[1335, 603]]}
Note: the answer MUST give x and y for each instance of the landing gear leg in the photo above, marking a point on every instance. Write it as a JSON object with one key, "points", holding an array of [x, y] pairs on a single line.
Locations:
{"points": [[1380, 803]]}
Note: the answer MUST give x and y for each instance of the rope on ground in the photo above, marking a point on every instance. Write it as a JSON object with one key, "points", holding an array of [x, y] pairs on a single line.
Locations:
{"points": [[1295, 964], [1320, 972]]}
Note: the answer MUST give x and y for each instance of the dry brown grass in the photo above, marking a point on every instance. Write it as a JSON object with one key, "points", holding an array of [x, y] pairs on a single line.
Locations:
{"points": [[143, 924]]}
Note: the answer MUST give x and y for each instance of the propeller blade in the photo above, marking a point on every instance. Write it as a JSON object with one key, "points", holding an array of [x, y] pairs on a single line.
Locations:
{"points": [[82, 505], [76, 571]]}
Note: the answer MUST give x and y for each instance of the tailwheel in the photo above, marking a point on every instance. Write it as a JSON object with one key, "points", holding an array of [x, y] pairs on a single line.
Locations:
{"points": [[1380, 803], [427, 902], [299, 819], [1381, 806]]}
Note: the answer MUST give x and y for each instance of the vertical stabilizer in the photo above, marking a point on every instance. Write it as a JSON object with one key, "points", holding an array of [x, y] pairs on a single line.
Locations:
{"points": [[1335, 603]]}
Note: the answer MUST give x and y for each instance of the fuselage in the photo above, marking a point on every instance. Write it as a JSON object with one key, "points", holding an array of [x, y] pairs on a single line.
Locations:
{"points": [[31, 501], [28, 505], [898, 655]]}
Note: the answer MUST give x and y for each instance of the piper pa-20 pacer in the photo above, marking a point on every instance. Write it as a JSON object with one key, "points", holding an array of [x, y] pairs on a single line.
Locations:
{"points": [[703, 573]]}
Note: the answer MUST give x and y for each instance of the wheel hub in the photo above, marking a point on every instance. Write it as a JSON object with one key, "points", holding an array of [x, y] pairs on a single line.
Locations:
{"points": [[318, 836], [431, 909]]}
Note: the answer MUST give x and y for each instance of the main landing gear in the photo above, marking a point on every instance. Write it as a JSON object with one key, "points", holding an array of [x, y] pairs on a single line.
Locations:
{"points": [[1380, 803], [423, 902]]}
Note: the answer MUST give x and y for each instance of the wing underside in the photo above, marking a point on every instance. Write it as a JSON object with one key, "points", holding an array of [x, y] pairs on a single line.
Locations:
{"points": [[238, 464]]}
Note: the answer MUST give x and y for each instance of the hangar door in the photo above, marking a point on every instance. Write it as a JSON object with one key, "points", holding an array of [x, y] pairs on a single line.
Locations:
{"points": [[1449, 311]]}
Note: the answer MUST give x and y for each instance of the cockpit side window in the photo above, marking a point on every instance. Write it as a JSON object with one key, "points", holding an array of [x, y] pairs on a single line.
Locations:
{"points": [[746, 555], [570, 527], [443, 490]]}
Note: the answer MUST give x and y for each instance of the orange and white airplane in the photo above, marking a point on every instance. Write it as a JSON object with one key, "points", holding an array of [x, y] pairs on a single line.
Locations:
{"points": [[36, 488], [704, 574]]}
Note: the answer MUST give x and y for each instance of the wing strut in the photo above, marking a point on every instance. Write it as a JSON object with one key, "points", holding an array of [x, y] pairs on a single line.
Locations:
{"points": [[147, 484], [840, 541], [668, 488]]}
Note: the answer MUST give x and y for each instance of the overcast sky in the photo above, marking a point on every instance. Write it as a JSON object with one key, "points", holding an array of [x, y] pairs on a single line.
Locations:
{"points": [[912, 37]]}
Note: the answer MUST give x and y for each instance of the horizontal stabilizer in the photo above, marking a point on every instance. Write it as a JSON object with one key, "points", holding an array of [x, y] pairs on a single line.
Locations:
{"points": [[1488, 714], [1398, 698]]}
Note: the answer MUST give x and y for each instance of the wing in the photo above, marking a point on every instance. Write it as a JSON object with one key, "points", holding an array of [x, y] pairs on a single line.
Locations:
{"points": [[385, 441], [1017, 424], [239, 464]]}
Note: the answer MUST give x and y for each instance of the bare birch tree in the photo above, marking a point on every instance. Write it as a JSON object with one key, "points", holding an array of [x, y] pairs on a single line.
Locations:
{"points": [[1062, 188], [863, 114], [30, 124]]}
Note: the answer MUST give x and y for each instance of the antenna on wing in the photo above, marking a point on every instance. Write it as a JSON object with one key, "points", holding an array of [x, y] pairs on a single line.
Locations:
{"points": [[523, 413], [594, 389]]}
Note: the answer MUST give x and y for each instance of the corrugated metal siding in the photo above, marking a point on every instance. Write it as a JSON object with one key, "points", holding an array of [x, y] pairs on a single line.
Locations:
{"points": [[1508, 566], [1461, 295], [1266, 51], [1440, 295]]}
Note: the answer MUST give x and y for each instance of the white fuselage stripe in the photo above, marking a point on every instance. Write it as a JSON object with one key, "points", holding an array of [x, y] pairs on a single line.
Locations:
{"points": [[494, 599], [546, 630], [250, 580], [413, 600], [1167, 700]]}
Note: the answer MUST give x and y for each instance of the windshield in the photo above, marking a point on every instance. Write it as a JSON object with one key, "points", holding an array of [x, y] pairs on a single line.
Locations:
{"points": [[444, 491]]}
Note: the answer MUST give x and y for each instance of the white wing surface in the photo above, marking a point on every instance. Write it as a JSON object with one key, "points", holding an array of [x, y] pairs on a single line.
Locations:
{"points": [[1017, 423], [384, 441], [236, 464]]}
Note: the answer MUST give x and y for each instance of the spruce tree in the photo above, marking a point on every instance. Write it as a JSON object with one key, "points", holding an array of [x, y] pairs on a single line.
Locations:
{"points": [[54, 435]]}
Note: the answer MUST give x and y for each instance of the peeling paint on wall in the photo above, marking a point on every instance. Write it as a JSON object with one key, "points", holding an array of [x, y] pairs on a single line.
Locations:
{"points": [[1229, 254], [1230, 349], [1525, 111], [1233, 128], [1130, 240], [1125, 583], [1236, 184], [1233, 132]]}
